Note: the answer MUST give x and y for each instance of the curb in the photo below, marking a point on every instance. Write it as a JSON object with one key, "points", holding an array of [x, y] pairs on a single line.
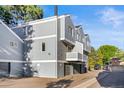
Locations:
{"points": [[103, 76]]}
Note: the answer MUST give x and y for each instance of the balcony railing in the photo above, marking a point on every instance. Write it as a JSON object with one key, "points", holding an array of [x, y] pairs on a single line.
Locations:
{"points": [[85, 58], [74, 56]]}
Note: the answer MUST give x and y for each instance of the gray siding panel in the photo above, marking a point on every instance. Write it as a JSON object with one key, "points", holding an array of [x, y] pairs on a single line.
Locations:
{"points": [[45, 69], [44, 29], [60, 69], [8, 52], [16, 69], [50, 49]]}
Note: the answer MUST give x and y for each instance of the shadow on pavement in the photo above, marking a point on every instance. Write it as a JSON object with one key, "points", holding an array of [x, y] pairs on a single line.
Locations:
{"points": [[59, 84], [111, 79]]}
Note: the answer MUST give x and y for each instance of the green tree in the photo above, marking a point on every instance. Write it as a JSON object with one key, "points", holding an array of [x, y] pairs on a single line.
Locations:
{"points": [[91, 58], [108, 51], [5, 14], [120, 54], [99, 58], [15, 14]]}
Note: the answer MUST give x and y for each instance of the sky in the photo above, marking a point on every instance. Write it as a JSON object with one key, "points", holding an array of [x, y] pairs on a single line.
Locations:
{"points": [[104, 24]]}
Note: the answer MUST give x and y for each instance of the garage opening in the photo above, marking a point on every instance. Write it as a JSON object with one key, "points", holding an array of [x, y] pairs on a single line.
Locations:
{"points": [[5, 69], [71, 68]]}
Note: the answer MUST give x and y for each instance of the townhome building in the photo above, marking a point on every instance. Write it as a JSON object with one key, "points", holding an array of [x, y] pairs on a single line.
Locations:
{"points": [[11, 52], [52, 47]]}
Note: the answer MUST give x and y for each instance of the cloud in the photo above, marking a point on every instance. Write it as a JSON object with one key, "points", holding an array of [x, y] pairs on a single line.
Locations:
{"points": [[112, 17], [100, 37]]}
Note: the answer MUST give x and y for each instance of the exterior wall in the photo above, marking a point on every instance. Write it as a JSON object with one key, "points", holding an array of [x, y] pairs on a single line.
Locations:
{"points": [[10, 53], [79, 34], [60, 69], [45, 62], [78, 47], [87, 43], [16, 69], [45, 69], [58, 41], [65, 34], [36, 52], [45, 28], [63, 24], [62, 46]]}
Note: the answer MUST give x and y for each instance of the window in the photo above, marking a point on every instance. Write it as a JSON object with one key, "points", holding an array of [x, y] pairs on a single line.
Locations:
{"points": [[70, 30], [77, 36], [43, 46], [15, 44], [11, 43]]}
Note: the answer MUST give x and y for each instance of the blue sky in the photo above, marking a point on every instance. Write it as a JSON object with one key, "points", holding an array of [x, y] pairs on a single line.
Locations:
{"points": [[104, 24]]}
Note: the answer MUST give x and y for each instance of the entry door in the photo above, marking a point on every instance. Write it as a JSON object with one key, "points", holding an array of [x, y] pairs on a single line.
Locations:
{"points": [[68, 69], [9, 67]]}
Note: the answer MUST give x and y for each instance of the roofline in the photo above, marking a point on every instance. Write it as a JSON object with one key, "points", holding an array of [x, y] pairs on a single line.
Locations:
{"points": [[41, 21], [12, 31], [87, 36]]}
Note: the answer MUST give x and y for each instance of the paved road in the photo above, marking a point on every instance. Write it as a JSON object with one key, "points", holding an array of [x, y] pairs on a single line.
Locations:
{"points": [[114, 79]]}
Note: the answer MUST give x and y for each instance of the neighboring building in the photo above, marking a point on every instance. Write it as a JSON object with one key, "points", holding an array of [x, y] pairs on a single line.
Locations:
{"points": [[11, 52], [53, 47]]}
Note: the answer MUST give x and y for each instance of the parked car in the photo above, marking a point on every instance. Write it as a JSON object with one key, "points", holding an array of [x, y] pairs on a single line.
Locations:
{"points": [[106, 67], [97, 67]]}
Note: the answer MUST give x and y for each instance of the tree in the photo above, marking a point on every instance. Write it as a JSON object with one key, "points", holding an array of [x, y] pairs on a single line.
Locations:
{"points": [[99, 58], [120, 54], [91, 58], [15, 14], [5, 14], [108, 51]]}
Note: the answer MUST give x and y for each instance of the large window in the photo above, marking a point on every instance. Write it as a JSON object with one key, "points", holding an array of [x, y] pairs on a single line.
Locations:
{"points": [[43, 46]]}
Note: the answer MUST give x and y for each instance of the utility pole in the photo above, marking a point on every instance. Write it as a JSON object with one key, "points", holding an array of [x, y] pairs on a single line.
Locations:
{"points": [[55, 10]]}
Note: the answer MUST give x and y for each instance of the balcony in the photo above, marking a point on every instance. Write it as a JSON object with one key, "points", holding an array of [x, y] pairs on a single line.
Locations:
{"points": [[67, 38], [85, 58], [73, 56]]}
